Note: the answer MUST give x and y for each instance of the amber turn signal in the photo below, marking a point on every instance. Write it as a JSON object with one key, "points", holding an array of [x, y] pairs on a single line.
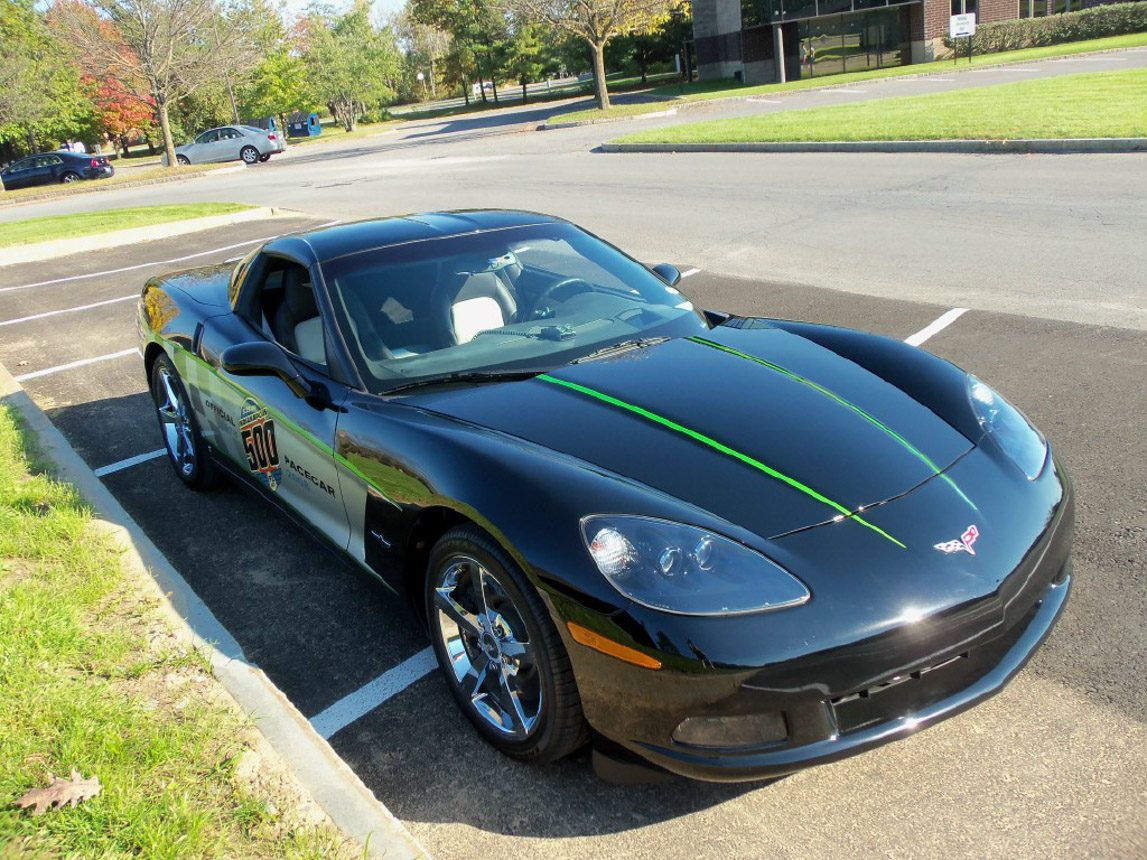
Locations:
{"points": [[597, 642]]}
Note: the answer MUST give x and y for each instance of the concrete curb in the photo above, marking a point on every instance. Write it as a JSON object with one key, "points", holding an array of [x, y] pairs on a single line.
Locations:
{"points": [[96, 185], [65, 247], [327, 778], [1031, 146]]}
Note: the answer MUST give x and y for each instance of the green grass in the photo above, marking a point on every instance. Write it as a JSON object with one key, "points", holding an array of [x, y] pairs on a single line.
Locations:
{"points": [[85, 224], [706, 90], [1098, 104], [92, 679]]}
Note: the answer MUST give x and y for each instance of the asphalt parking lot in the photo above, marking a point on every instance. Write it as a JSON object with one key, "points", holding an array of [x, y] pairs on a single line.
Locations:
{"points": [[1054, 766]]}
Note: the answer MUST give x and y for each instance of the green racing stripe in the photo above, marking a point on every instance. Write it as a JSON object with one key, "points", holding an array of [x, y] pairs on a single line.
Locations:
{"points": [[847, 404], [718, 446]]}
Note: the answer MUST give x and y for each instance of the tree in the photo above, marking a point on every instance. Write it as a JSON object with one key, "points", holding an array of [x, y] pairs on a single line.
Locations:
{"points": [[120, 114], [351, 64], [172, 48], [477, 30], [278, 86], [41, 97], [596, 22], [526, 54]]}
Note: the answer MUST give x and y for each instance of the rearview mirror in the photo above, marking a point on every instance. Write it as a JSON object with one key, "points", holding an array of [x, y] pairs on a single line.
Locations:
{"points": [[263, 358], [667, 273]]}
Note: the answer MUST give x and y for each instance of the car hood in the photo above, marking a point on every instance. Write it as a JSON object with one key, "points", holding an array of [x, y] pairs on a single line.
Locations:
{"points": [[761, 427]]}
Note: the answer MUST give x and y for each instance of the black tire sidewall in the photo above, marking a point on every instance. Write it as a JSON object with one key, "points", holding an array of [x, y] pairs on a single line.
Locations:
{"points": [[472, 542], [182, 159]]}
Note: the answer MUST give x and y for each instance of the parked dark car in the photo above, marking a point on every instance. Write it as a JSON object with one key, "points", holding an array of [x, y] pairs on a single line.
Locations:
{"points": [[48, 168], [726, 546]]}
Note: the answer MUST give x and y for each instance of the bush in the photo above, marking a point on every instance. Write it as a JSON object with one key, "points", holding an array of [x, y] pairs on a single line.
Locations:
{"points": [[1094, 23]]}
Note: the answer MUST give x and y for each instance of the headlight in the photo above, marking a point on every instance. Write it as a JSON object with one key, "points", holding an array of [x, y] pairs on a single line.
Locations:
{"points": [[1015, 435], [686, 570]]}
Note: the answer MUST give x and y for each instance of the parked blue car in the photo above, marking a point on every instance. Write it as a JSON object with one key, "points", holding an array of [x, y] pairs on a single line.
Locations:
{"points": [[48, 168]]}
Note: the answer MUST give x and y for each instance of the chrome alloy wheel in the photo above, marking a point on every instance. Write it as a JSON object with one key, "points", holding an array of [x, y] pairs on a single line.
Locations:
{"points": [[488, 646], [176, 423]]}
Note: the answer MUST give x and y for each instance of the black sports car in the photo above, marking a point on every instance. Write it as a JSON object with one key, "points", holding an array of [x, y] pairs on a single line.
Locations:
{"points": [[723, 546]]}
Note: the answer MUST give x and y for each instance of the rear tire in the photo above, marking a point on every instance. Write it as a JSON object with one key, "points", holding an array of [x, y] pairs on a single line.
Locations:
{"points": [[70, 177], [266, 157], [186, 451], [249, 154], [500, 653]]}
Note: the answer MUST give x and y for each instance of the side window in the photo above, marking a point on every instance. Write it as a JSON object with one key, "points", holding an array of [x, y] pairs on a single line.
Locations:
{"points": [[52, 160], [287, 313], [208, 137]]}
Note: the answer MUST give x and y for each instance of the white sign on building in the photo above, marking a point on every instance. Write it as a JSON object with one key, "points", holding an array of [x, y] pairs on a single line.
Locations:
{"points": [[962, 25]]}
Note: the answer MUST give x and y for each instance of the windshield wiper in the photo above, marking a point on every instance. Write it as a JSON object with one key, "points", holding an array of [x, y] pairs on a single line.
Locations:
{"points": [[464, 376], [618, 348]]}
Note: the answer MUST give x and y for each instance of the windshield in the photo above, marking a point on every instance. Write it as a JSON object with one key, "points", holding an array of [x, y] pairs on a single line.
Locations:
{"points": [[532, 298]]}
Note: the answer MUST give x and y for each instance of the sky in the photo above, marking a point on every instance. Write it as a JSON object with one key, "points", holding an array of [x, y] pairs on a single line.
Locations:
{"points": [[383, 9]]}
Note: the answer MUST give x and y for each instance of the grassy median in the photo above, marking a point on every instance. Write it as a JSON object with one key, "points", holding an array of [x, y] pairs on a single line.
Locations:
{"points": [[51, 227], [1100, 104], [673, 94], [91, 678]]}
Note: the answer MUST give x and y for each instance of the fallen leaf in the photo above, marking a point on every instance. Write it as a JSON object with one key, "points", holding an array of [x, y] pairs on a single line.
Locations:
{"points": [[61, 792]]}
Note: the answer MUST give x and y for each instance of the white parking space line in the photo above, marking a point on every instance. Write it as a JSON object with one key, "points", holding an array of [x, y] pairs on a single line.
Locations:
{"points": [[365, 699], [83, 362], [69, 310], [689, 273], [154, 262], [936, 326], [128, 463]]}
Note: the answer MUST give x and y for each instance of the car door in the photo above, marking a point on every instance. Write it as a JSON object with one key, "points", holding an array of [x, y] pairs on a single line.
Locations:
{"points": [[18, 174], [203, 149], [270, 434], [230, 142]]}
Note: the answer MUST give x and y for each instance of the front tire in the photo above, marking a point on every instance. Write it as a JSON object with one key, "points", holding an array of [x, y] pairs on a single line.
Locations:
{"points": [[182, 160], [186, 451], [502, 658], [249, 154]]}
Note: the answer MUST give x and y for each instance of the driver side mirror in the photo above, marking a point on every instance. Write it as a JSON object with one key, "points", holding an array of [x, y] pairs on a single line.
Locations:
{"points": [[263, 358], [668, 273]]}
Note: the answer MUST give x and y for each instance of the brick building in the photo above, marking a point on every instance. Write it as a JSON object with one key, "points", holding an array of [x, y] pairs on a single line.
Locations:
{"points": [[761, 41]]}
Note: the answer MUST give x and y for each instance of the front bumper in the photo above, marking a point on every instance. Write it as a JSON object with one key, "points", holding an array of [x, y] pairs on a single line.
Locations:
{"points": [[833, 706]]}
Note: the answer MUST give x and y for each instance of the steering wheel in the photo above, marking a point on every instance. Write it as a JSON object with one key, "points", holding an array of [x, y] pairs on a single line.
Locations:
{"points": [[581, 285]]}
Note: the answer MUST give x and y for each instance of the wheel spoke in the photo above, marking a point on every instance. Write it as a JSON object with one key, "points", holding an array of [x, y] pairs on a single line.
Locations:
{"points": [[519, 651], [172, 398], [479, 682], [515, 711], [466, 620]]}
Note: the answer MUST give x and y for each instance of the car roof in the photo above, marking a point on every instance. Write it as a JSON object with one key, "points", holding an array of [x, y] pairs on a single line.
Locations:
{"points": [[329, 243]]}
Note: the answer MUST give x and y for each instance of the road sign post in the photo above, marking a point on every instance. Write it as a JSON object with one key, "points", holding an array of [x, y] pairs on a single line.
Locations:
{"points": [[962, 27]]}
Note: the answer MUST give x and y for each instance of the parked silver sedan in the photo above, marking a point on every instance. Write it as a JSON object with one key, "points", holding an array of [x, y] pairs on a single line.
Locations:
{"points": [[231, 143]]}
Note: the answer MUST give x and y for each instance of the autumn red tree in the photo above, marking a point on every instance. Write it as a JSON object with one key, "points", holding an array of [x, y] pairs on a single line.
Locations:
{"points": [[121, 114]]}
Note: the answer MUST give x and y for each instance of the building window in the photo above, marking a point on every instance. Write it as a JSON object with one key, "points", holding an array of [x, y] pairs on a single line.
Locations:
{"points": [[1062, 6], [1033, 8], [964, 7]]}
